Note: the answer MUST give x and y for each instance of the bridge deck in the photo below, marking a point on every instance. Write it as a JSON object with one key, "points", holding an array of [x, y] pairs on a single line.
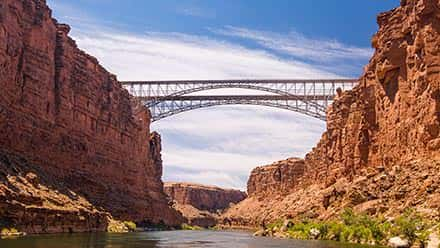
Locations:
{"points": [[237, 97], [307, 96], [244, 81]]}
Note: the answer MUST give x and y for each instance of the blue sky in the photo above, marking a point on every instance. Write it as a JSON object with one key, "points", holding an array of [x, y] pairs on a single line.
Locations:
{"points": [[213, 39]]}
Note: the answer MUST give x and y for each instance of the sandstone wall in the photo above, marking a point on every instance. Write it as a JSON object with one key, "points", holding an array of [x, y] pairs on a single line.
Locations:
{"points": [[277, 178], [196, 217], [382, 144], [64, 113], [203, 197], [36, 202], [201, 205], [393, 115]]}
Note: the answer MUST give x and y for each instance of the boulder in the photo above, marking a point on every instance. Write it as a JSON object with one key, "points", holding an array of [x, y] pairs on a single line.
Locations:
{"points": [[397, 242]]}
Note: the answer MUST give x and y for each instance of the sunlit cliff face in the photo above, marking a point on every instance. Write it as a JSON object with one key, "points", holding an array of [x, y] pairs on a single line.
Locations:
{"points": [[382, 138]]}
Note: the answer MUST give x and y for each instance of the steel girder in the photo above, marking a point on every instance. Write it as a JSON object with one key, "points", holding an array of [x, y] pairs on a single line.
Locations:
{"points": [[167, 98]]}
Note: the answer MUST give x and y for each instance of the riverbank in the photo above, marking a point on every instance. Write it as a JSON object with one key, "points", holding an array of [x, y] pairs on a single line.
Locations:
{"points": [[410, 229]]}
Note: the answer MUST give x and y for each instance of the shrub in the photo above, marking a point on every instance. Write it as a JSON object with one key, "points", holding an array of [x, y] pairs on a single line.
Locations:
{"points": [[130, 225], [277, 224], [334, 231], [348, 217], [190, 228], [116, 227], [300, 231], [412, 226], [10, 232], [5, 231], [361, 228], [367, 228]]}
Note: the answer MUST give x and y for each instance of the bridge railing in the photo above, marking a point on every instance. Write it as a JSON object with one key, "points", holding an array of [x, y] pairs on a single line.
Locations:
{"points": [[308, 96], [293, 87]]}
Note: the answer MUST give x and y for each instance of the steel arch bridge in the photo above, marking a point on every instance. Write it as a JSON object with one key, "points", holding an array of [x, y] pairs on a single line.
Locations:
{"points": [[309, 96]]}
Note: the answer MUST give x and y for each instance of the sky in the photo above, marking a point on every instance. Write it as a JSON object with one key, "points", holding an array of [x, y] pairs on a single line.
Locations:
{"points": [[227, 39]]}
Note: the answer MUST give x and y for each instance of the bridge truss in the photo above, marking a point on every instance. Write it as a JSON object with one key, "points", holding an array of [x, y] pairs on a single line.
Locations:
{"points": [[309, 97]]}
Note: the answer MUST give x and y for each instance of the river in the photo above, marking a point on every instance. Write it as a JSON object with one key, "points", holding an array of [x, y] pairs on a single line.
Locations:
{"points": [[170, 239]]}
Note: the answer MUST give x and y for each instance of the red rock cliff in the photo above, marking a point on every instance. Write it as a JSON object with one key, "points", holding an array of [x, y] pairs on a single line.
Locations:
{"points": [[67, 116], [278, 178], [201, 204], [381, 150], [203, 197], [393, 115]]}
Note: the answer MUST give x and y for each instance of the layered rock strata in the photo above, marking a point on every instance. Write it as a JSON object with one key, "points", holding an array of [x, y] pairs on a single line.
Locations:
{"points": [[196, 217], [35, 202], [278, 178], [201, 204], [203, 197], [65, 115], [382, 144]]}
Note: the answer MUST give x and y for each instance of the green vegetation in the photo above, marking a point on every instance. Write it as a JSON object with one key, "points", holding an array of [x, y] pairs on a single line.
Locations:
{"points": [[438, 232], [275, 225], [358, 228], [121, 227], [116, 227], [130, 225], [190, 228], [412, 226], [10, 232], [215, 228]]}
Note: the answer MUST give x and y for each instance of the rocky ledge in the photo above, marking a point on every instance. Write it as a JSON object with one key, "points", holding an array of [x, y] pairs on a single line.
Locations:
{"points": [[33, 201]]}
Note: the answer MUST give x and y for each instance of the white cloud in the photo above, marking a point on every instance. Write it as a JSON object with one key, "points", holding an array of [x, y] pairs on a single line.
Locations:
{"points": [[300, 46], [168, 56], [233, 141], [257, 128], [218, 145], [206, 176], [196, 11]]}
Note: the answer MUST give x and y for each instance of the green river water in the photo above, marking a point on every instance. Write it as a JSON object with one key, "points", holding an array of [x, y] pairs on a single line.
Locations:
{"points": [[169, 239]]}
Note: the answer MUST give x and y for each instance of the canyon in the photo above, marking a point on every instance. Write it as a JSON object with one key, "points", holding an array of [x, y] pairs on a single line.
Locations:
{"points": [[76, 150], [201, 205], [380, 153], [75, 147]]}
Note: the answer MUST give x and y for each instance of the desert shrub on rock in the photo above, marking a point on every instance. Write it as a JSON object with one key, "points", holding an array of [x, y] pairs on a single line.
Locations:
{"points": [[358, 228], [130, 225], [188, 227]]}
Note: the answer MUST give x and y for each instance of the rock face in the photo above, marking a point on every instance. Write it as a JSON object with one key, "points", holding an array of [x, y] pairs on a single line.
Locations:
{"points": [[196, 217], [382, 144], [35, 202], [278, 178], [201, 204], [67, 116], [393, 115], [203, 197]]}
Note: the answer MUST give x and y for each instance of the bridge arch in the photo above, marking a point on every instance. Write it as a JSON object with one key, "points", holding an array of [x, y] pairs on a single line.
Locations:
{"points": [[153, 101], [186, 103], [306, 96]]}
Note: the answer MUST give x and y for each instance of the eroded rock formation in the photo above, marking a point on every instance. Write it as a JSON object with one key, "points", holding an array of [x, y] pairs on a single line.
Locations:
{"points": [[201, 204], [196, 217], [203, 197], [35, 202], [382, 144], [278, 178], [62, 115]]}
